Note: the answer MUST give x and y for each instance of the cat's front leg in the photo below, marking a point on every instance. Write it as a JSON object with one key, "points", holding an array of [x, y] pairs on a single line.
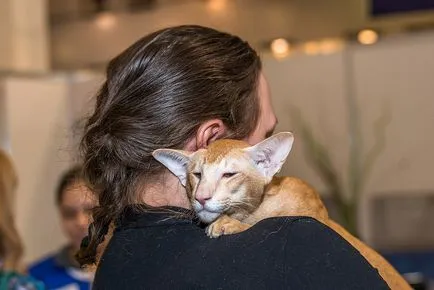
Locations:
{"points": [[225, 225]]}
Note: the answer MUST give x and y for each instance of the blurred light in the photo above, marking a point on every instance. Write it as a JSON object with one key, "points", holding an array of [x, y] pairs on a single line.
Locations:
{"points": [[329, 46], [217, 5], [105, 20], [367, 36], [280, 47], [311, 48]]}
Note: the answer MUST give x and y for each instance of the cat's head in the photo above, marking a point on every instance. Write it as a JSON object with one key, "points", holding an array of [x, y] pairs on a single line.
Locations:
{"points": [[229, 176]]}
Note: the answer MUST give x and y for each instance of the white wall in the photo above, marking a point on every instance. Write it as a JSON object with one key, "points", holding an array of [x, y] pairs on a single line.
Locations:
{"points": [[39, 119], [24, 34], [399, 73], [3, 128], [35, 120], [396, 73], [6, 58]]}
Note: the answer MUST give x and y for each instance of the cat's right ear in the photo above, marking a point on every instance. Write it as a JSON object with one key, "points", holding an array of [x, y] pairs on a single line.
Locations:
{"points": [[175, 160], [270, 154]]}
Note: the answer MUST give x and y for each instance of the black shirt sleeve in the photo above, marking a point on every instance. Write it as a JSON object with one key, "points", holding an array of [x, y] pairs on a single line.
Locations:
{"points": [[324, 260]]}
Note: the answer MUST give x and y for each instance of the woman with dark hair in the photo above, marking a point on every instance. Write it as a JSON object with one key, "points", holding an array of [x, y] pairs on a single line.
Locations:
{"points": [[184, 87]]}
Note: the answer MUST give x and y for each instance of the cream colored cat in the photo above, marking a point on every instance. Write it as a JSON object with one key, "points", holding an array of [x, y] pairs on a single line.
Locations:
{"points": [[232, 186]]}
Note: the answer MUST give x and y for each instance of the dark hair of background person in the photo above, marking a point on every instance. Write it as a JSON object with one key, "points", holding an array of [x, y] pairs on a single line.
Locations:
{"points": [[68, 178], [157, 93]]}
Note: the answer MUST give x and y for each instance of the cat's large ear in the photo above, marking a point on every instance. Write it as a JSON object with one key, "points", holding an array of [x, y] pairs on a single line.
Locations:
{"points": [[270, 154], [175, 160]]}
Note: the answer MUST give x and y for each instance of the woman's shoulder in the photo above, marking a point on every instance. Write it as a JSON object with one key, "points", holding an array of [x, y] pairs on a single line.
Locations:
{"points": [[301, 231], [288, 225], [309, 246], [289, 221], [288, 235], [302, 239], [17, 281]]}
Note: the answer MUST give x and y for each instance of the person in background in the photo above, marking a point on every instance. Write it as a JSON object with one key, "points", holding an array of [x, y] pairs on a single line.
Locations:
{"points": [[74, 201], [11, 248]]}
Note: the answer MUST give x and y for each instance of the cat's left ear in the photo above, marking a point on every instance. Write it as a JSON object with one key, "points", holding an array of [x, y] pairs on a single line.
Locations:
{"points": [[270, 154], [175, 160]]}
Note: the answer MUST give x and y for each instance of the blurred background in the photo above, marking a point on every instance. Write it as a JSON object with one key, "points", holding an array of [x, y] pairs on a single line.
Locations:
{"points": [[354, 79]]}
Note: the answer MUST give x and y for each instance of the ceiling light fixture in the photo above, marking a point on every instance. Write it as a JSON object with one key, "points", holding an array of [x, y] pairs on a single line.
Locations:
{"points": [[217, 5], [367, 36], [105, 20], [280, 47]]}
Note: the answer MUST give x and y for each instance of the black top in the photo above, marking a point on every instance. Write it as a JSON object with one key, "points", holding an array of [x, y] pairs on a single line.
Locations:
{"points": [[160, 251]]}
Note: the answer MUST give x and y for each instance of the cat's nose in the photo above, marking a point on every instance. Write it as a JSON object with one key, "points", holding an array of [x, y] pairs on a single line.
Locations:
{"points": [[202, 200]]}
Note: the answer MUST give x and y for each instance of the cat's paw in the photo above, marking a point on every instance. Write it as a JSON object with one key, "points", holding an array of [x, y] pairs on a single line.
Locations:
{"points": [[225, 226]]}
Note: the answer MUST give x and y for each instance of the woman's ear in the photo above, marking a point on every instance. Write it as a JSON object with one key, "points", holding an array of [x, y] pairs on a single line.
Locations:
{"points": [[207, 133]]}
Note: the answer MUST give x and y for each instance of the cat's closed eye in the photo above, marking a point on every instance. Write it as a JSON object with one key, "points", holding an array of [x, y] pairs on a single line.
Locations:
{"points": [[228, 174], [197, 174]]}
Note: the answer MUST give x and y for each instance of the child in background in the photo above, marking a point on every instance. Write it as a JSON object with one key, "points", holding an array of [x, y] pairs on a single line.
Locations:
{"points": [[75, 202], [11, 248]]}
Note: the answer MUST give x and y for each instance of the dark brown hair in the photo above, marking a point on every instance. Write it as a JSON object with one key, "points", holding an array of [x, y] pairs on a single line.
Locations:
{"points": [[68, 178], [156, 95]]}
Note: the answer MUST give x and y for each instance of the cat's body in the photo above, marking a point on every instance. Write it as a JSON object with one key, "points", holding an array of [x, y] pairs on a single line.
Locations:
{"points": [[232, 187], [289, 195]]}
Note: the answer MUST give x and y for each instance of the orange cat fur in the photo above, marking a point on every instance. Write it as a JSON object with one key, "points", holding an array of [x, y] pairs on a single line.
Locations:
{"points": [[232, 186]]}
